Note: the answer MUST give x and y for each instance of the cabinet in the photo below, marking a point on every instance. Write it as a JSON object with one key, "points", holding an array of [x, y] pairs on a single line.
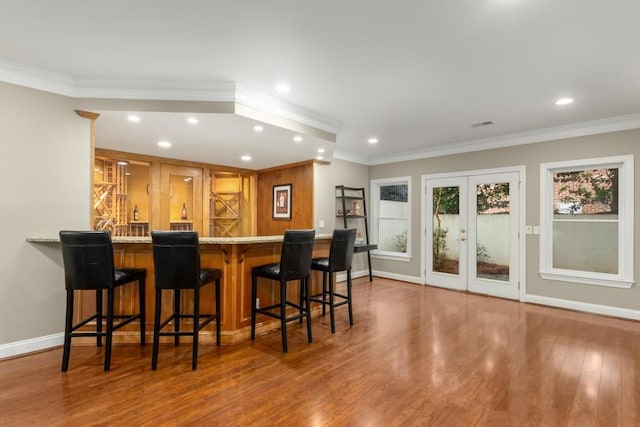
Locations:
{"points": [[351, 207]]}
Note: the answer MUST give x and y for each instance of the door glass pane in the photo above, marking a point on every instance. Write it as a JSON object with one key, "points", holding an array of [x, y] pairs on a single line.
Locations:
{"points": [[492, 231], [446, 226], [181, 206]]}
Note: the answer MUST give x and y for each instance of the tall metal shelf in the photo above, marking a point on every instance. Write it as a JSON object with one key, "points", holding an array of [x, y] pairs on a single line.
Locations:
{"points": [[351, 205]]}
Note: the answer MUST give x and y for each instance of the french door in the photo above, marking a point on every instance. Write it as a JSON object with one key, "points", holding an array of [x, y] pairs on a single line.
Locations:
{"points": [[472, 233]]}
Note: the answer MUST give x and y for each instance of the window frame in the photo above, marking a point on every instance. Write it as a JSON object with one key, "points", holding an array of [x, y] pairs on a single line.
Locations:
{"points": [[624, 277], [375, 223]]}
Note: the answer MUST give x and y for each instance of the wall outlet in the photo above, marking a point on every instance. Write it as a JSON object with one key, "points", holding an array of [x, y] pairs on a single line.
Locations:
{"points": [[528, 229], [321, 223]]}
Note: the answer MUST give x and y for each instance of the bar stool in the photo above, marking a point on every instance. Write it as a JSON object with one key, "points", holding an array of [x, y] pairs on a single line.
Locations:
{"points": [[176, 260], [295, 264], [340, 256], [88, 265]]}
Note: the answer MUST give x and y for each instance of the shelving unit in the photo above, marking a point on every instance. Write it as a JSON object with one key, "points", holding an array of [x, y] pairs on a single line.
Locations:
{"points": [[225, 199], [351, 205], [110, 199]]}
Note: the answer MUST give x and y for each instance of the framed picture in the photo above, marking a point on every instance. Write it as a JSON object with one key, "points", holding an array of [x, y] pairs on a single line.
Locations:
{"points": [[282, 201]]}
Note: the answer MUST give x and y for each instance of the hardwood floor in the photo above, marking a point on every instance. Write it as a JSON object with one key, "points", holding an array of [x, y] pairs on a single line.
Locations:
{"points": [[415, 356]]}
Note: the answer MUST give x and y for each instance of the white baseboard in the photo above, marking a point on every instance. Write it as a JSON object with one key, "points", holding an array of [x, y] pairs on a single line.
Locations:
{"points": [[400, 277], [29, 346], [341, 277], [605, 310]]}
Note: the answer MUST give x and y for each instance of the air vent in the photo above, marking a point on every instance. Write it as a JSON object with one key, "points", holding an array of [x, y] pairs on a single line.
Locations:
{"points": [[480, 124]]}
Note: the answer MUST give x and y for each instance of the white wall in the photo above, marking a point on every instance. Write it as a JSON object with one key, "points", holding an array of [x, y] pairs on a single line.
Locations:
{"points": [[45, 162]]}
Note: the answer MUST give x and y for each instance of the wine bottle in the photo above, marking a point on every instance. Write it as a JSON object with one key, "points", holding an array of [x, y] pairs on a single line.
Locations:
{"points": [[183, 216], [136, 213]]}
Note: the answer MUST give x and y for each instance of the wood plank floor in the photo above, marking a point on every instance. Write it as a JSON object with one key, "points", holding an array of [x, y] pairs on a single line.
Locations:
{"points": [[415, 356]]}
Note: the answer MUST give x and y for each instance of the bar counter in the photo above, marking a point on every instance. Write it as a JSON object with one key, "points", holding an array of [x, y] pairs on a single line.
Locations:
{"points": [[235, 256]]}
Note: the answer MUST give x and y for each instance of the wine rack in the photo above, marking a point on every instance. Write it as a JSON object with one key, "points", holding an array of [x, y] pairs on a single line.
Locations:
{"points": [[110, 197]]}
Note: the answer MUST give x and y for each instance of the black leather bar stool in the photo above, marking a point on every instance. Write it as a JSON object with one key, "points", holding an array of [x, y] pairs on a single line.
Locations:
{"points": [[340, 256], [176, 260], [88, 265], [295, 264]]}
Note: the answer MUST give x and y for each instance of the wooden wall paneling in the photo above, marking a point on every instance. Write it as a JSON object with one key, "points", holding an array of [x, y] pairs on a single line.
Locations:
{"points": [[300, 176]]}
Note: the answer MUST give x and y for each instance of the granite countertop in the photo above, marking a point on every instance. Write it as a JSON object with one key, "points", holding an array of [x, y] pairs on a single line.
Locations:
{"points": [[203, 240]]}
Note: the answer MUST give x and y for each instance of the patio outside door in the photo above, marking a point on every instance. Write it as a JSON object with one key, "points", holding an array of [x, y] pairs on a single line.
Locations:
{"points": [[472, 234]]}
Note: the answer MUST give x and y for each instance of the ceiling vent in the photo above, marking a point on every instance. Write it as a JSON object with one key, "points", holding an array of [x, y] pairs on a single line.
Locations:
{"points": [[480, 124]]}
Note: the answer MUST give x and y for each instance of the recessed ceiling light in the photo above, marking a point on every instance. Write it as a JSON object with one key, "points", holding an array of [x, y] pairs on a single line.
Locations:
{"points": [[320, 150], [187, 178], [192, 120], [319, 157], [164, 144], [133, 118], [372, 140], [283, 87], [123, 163], [564, 101], [297, 138], [246, 158], [258, 128]]}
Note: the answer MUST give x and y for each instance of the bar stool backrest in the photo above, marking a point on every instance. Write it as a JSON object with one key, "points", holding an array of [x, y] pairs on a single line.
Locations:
{"points": [[88, 259], [297, 251], [341, 252], [176, 258]]}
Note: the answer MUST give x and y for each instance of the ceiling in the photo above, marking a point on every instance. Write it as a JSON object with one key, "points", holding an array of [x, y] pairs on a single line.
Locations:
{"points": [[415, 74]]}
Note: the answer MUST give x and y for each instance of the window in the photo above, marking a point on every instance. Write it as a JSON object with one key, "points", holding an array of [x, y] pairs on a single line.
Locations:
{"points": [[392, 217], [586, 221]]}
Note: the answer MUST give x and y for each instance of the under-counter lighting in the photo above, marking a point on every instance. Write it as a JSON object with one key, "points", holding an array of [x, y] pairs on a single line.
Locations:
{"points": [[564, 101], [245, 158], [133, 118], [297, 138], [123, 163], [258, 128], [372, 140], [164, 144], [192, 120]]}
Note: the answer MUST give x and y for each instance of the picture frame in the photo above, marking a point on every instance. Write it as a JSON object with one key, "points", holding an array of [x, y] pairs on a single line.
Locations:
{"points": [[282, 201]]}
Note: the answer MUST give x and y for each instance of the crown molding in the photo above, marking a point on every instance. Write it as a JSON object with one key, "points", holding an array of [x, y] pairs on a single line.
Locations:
{"points": [[611, 124], [278, 107], [36, 78], [349, 156], [155, 90], [167, 90]]}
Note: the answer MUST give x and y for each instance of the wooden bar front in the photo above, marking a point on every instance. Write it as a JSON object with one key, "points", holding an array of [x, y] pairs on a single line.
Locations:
{"points": [[235, 257]]}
